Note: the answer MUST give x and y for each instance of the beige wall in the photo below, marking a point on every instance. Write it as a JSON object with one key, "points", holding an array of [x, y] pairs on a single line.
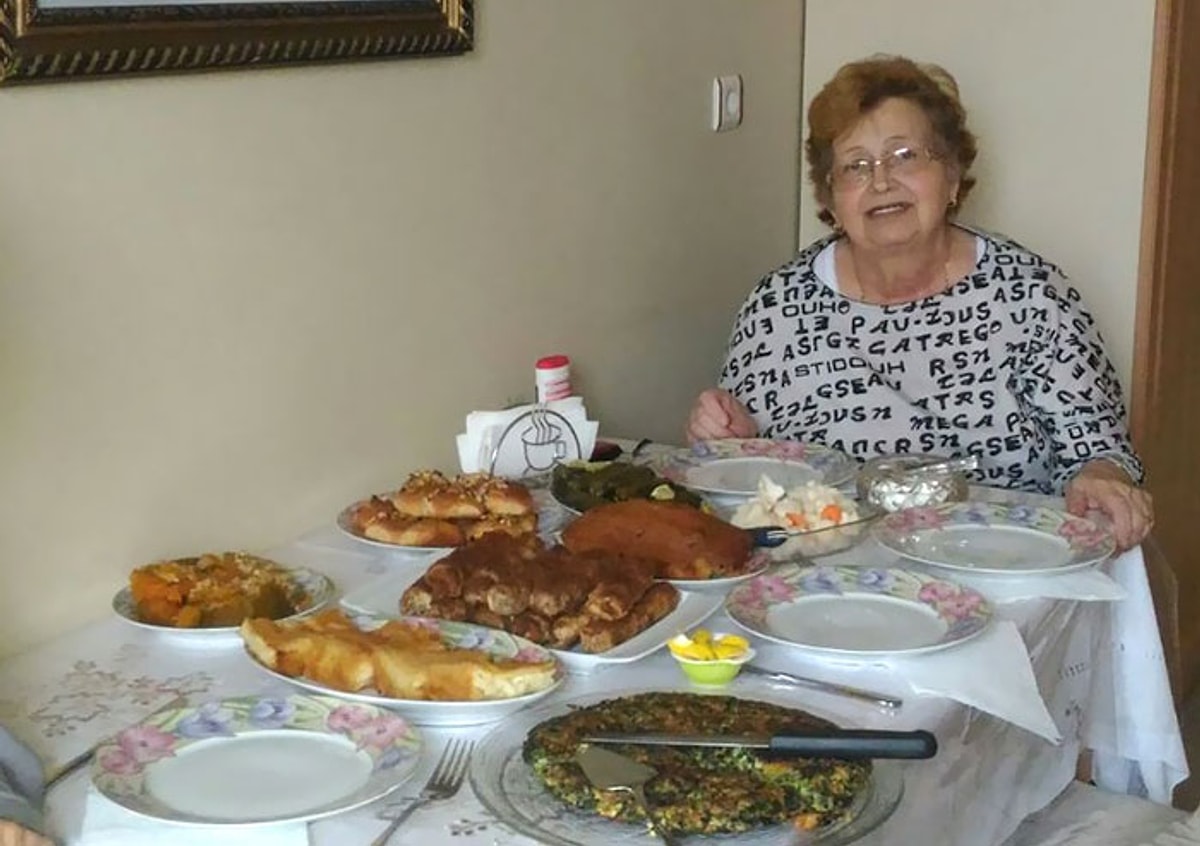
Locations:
{"points": [[1057, 93], [231, 303]]}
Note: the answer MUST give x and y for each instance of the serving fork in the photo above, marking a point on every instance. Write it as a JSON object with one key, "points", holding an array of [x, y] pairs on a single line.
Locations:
{"points": [[444, 782]]}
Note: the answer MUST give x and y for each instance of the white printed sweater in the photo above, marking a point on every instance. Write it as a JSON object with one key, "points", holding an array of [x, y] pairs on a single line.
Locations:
{"points": [[1006, 363]]}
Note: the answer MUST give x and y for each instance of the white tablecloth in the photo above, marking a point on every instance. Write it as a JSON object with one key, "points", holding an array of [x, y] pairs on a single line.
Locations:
{"points": [[1099, 666], [1086, 816]]}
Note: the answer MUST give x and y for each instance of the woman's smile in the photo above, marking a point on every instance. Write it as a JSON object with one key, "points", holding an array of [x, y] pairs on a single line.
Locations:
{"points": [[888, 209]]}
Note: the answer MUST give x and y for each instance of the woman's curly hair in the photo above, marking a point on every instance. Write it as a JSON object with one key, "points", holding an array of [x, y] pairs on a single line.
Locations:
{"points": [[858, 87]]}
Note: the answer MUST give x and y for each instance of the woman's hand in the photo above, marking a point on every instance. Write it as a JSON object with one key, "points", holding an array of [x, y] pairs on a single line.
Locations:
{"points": [[717, 414], [12, 834], [1104, 486]]}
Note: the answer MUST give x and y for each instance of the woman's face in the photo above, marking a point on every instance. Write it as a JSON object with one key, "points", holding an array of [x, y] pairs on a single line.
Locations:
{"points": [[902, 200]]}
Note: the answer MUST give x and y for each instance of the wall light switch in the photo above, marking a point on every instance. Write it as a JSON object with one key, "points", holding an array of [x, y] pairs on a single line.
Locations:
{"points": [[726, 103]]}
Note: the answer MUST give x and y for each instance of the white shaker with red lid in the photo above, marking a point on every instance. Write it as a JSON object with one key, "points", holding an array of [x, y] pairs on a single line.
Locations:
{"points": [[553, 377]]}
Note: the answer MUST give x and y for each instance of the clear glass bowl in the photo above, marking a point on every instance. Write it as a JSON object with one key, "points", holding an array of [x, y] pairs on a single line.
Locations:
{"points": [[829, 540], [883, 483]]}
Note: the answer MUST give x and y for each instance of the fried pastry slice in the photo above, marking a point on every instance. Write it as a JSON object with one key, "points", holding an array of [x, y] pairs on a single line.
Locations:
{"points": [[450, 608], [530, 626], [510, 594], [421, 599], [326, 649], [656, 603], [418, 598], [461, 676], [565, 630], [444, 578], [477, 585], [399, 659], [623, 581], [561, 581]]}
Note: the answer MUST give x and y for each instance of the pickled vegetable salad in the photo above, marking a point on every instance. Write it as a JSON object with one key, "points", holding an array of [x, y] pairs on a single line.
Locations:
{"points": [[807, 508]]}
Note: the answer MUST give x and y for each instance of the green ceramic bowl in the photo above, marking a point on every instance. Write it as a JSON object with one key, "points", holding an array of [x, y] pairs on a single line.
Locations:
{"points": [[713, 673]]}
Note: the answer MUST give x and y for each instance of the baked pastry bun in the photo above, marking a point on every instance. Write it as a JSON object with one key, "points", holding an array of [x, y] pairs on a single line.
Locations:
{"points": [[433, 510], [428, 493]]}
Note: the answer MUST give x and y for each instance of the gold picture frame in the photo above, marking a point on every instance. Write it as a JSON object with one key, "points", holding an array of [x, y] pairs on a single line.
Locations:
{"points": [[47, 40]]}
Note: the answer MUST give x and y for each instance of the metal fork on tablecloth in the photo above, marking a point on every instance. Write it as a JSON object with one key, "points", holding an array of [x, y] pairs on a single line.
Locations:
{"points": [[445, 781]]}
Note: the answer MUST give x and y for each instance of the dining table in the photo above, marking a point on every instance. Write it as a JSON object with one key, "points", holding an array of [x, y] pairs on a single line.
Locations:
{"points": [[1097, 662]]}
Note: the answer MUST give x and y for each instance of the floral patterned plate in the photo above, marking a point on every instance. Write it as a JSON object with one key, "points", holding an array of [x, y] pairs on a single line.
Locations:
{"points": [[423, 712], [732, 467], [318, 586], [995, 538], [858, 611], [257, 760]]}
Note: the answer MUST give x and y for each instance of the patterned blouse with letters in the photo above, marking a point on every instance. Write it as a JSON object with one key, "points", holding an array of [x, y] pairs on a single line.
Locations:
{"points": [[1006, 363]]}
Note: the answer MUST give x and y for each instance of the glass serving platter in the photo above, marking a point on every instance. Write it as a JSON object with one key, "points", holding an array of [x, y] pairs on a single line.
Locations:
{"points": [[507, 787]]}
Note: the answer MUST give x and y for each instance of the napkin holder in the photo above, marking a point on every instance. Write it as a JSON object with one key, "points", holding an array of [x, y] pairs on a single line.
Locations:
{"points": [[526, 441]]}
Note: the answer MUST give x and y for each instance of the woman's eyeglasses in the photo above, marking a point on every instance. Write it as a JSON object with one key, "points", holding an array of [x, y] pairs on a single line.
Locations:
{"points": [[899, 162]]}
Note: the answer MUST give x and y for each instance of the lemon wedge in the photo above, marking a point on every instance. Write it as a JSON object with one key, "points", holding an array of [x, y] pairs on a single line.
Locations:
{"points": [[705, 646]]}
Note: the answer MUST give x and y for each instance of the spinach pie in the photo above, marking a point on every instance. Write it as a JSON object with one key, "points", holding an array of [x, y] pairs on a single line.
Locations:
{"points": [[700, 790]]}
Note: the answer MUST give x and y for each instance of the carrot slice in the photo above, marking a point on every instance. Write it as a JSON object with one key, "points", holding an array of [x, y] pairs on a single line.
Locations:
{"points": [[832, 512]]}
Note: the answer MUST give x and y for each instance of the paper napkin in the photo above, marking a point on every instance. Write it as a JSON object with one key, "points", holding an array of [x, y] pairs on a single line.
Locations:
{"points": [[1007, 689], [105, 823], [523, 443], [1090, 585]]}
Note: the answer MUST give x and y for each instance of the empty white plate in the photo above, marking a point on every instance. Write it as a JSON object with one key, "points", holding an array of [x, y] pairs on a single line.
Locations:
{"points": [[733, 466], [995, 538], [858, 611], [257, 760]]}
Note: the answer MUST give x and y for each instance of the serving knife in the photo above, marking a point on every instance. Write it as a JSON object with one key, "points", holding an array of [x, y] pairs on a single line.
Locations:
{"points": [[843, 744], [767, 537]]}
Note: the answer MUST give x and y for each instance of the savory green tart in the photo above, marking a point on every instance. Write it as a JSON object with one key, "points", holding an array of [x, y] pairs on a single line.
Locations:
{"points": [[699, 790]]}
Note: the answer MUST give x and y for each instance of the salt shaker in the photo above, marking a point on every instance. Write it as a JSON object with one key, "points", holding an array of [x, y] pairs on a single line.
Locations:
{"points": [[553, 377]]}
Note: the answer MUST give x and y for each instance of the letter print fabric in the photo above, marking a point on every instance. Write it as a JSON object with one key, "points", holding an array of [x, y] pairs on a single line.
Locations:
{"points": [[1006, 363]]}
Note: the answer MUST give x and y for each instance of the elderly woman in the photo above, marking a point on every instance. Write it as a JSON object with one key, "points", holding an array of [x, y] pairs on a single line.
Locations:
{"points": [[903, 331]]}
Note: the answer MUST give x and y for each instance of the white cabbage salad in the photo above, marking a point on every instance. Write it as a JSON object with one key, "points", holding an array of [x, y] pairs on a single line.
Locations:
{"points": [[807, 508]]}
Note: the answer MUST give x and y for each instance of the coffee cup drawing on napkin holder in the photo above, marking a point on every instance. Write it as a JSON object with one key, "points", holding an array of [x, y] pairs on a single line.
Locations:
{"points": [[536, 440]]}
